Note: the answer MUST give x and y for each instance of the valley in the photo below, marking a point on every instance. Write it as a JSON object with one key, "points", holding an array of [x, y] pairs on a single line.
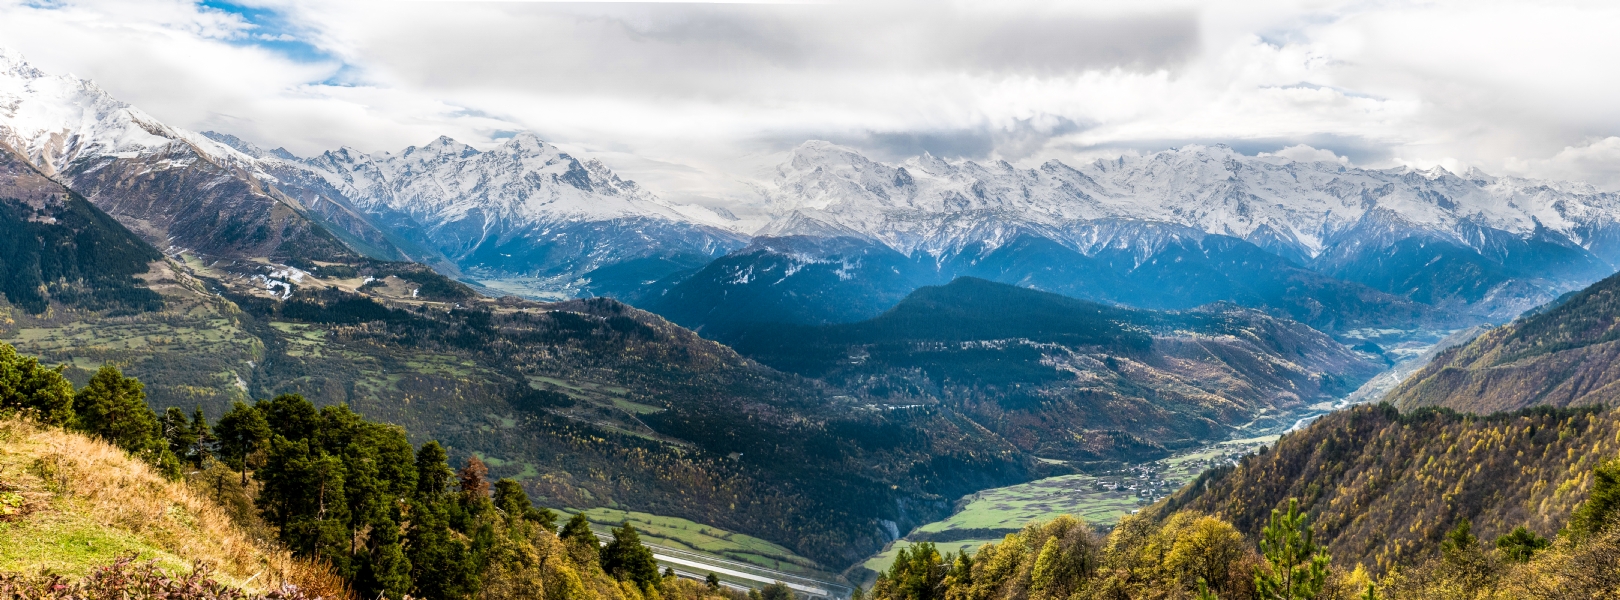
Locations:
{"points": [[895, 362], [1099, 499]]}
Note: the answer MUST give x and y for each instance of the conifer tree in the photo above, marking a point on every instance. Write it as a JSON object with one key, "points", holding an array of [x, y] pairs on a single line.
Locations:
{"points": [[205, 437], [241, 432], [512, 500], [578, 529], [113, 407], [626, 559], [181, 438], [290, 416], [1602, 505], [433, 472], [442, 565], [1295, 567], [27, 386], [713, 583], [1521, 544]]}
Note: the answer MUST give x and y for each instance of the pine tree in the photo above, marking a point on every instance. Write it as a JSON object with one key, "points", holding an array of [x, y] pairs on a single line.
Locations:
{"points": [[27, 386], [205, 438], [113, 407], [386, 572], [433, 472], [1295, 567], [241, 432], [776, 591], [182, 439], [713, 583], [512, 500], [1602, 505], [442, 566], [304, 497], [626, 559], [578, 529], [290, 416], [1521, 544]]}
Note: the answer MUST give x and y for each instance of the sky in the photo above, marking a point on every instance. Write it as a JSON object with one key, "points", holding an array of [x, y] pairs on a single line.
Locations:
{"points": [[699, 101]]}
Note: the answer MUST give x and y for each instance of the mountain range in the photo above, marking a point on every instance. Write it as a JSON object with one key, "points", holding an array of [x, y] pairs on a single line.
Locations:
{"points": [[1349, 251], [895, 337]]}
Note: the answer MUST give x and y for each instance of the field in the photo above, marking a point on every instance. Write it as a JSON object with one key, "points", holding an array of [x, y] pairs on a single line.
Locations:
{"points": [[681, 534], [881, 561], [1100, 499]]}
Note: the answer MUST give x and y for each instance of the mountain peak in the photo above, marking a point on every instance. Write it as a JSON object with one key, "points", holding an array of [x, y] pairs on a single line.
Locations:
{"points": [[13, 63]]}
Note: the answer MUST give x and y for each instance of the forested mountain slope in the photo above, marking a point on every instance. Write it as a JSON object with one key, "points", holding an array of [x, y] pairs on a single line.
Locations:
{"points": [[57, 246], [1070, 379], [1383, 488], [588, 403], [1568, 355]]}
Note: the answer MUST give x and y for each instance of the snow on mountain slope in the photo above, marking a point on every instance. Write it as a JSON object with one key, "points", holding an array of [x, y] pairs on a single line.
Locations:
{"points": [[523, 208], [522, 181], [56, 121], [932, 205]]}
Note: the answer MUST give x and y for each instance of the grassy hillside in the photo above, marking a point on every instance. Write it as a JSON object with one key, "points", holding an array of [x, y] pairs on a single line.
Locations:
{"points": [[1383, 488], [1562, 356], [71, 504], [588, 403]]}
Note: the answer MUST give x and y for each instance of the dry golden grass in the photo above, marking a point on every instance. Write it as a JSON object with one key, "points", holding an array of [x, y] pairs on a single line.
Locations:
{"points": [[89, 502]]}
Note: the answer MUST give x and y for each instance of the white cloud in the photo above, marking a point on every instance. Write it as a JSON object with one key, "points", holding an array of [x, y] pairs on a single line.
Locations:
{"points": [[696, 100], [1303, 153]]}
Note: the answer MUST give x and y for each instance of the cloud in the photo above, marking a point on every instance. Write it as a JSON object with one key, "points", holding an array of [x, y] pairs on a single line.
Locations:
{"points": [[1303, 153], [697, 99], [1596, 162]]}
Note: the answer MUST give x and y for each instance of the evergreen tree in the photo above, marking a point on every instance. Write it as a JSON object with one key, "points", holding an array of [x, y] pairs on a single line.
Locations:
{"points": [[205, 438], [1295, 567], [241, 432], [713, 583], [433, 472], [1521, 544], [386, 571], [579, 529], [442, 566], [290, 416], [27, 386], [626, 559], [113, 407], [182, 439], [776, 591], [512, 500], [1459, 540], [304, 497], [1602, 504]]}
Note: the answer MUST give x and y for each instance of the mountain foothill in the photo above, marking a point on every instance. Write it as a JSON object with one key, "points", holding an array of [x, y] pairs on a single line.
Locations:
{"points": [[892, 339]]}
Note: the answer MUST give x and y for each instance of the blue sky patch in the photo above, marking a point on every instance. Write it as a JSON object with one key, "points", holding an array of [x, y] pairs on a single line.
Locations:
{"points": [[272, 31]]}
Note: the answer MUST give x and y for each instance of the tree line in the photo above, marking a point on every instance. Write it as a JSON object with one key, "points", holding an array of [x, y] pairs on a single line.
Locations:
{"points": [[392, 519], [1194, 555]]}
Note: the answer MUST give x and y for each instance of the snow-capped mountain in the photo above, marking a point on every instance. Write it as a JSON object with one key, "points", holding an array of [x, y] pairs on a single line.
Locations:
{"points": [[1297, 208], [176, 188], [1490, 246], [525, 209]]}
